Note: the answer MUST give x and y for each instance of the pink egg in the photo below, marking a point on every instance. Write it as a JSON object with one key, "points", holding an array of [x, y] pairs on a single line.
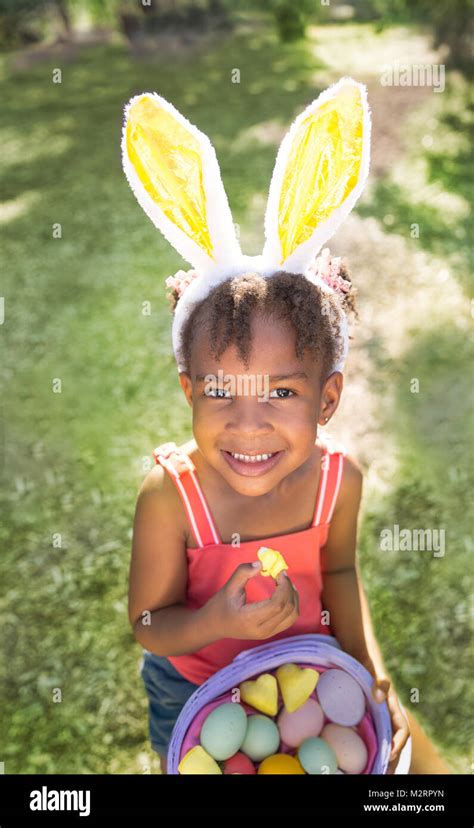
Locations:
{"points": [[307, 721], [349, 748], [239, 763], [341, 697]]}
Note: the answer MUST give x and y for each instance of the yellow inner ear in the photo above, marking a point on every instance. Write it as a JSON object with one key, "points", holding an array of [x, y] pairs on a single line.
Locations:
{"points": [[167, 159], [323, 168]]}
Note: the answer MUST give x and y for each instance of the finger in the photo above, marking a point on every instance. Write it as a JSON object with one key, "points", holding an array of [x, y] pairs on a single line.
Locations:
{"points": [[271, 616], [380, 689], [283, 619], [263, 612], [282, 598], [270, 613], [297, 601], [400, 727], [284, 583], [275, 610], [269, 630], [399, 719], [392, 766], [400, 738], [242, 574], [284, 590]]}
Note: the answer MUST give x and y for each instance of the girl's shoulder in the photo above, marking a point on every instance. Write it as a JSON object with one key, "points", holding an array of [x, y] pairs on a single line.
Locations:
{"points": [[352, 475], [350, 491], [158, 478], [159, 490]]}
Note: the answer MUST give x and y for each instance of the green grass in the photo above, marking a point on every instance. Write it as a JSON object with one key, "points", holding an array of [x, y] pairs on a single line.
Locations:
{"points": [[74, 460]]}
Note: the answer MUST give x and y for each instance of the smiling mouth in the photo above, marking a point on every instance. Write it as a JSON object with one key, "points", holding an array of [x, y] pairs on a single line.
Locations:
{"points": [[251, 458], [251, 464]]}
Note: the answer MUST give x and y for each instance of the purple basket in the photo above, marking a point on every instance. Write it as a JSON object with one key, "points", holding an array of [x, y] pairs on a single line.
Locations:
{"points": [[322, 650]]}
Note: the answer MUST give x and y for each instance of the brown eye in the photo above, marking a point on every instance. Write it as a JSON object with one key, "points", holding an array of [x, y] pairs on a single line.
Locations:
{"points": [[282, 393], [217, 393]]}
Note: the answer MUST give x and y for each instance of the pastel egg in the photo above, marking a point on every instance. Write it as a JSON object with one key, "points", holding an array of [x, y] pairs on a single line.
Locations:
{"points": [[307, 721], [280, 763], [223, 731], [239, 763], [341, 697], [317, 757], [261, 739], [350, 749]]}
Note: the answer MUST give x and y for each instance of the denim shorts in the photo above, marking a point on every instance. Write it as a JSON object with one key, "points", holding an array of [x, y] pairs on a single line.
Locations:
{"points": [[167, 691]]}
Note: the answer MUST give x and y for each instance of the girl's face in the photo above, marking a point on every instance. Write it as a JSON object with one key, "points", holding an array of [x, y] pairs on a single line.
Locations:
{"points": [[268, 410]]}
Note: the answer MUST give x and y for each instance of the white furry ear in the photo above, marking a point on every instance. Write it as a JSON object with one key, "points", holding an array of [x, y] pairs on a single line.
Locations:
{"points": [[319, 174], [172, 168]]}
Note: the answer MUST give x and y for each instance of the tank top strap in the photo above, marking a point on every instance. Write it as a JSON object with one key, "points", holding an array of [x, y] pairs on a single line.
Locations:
{"points": [[182, 471], [332, 466]]}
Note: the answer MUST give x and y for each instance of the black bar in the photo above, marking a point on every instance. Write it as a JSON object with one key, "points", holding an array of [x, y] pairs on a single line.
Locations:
{"points": [[129, 797]]}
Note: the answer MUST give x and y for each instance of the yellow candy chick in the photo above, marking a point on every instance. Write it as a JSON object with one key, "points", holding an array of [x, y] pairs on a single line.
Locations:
{"points": [[273, 561]]}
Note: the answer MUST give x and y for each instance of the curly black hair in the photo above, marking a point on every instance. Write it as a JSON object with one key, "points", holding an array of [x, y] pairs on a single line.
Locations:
{"points": [[226, 314]]}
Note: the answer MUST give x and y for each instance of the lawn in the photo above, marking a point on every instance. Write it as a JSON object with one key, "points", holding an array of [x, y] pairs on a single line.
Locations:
{"points": [[91, 386]]}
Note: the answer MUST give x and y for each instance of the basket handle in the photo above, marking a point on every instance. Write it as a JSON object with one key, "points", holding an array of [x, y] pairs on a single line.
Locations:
{"points": [[307, 638]]}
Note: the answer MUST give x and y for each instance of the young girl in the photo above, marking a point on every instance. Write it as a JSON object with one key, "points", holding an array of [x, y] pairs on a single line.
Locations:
{"points": [[260, 344]]}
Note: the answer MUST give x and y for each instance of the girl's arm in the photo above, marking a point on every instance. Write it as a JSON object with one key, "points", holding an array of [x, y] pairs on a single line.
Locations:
{"points": [[158, 574]]}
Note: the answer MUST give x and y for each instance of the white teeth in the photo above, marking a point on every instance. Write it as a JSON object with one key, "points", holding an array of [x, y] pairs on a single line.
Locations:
{"points": [[247, 458]]}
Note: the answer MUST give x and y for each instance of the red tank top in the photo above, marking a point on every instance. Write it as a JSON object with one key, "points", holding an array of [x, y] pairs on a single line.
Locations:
{"points": [[213, 562]]}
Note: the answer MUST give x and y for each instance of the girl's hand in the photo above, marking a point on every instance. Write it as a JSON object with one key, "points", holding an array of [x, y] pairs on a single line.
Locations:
{"points": [[382, 690], [232, 617]]}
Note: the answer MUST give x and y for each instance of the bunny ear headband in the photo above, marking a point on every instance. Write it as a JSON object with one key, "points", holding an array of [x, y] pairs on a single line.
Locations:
{"points": [[319, 174]]}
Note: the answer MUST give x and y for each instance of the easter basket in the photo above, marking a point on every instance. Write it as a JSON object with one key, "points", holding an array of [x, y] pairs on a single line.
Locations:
{"points": [[320, 652]]}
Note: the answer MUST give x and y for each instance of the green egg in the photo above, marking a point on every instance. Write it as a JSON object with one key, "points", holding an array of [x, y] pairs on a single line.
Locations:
{"points": [[317, 757], [261, 739], [223, 731]]}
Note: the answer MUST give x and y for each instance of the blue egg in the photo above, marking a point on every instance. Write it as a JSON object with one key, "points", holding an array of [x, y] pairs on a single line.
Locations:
{"points": [[261, 739], [223, 731], [317, 757]]}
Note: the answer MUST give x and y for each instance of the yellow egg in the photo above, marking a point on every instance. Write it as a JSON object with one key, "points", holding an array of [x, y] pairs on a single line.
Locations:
{"points": [[280, 763]]}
